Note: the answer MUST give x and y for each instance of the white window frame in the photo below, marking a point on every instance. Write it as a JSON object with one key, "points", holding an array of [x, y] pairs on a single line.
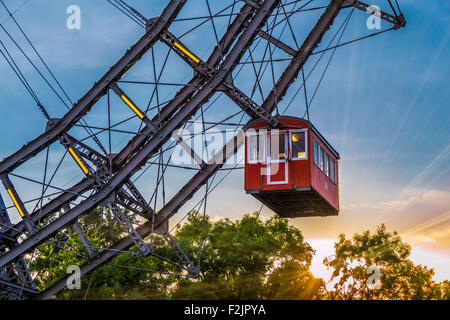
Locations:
{"points": [[291, 151], [330, 159], [322, 163], [326, 163], [269, 144], [316, 156], [263, 138], [333, 178], [270, 161]]}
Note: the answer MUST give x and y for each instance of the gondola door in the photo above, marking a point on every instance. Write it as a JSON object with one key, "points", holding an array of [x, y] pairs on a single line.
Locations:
{"points": [[277, 158]]}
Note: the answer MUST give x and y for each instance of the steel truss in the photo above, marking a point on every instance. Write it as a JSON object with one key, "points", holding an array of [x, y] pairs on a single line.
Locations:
{"points": [[107, 180]]}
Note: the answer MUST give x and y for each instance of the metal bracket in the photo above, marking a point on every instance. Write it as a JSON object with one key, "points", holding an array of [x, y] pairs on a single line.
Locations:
{"points": [[193, 271], [84, 240], [20, 206], [121, 94], [144, 249]]}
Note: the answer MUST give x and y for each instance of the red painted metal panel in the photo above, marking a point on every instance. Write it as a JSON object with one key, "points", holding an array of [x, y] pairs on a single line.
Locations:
{"points": [[277, 172], [252, 173], [300, 173], [320, 181], [300, 168], [284, 169], [252, 176]]}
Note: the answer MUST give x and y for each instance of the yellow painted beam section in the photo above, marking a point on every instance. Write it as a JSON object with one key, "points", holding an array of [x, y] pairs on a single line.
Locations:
{"points": [[13, 198], [78, 161], [186, 52], [132, 106]]}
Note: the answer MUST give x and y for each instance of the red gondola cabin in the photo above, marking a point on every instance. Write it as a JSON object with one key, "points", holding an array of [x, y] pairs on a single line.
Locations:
{"points": [[292, 169]]}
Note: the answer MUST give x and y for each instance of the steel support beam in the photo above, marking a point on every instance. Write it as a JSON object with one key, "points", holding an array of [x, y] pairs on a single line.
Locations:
{"points": [[302, 55], [135, 163], [53, 206], [84, 240], [18, 203], [135, 144], [201, 177], [190, 89], [250, 107], [82, 106], [277, 43], [16, 288], [188, 109], [141, 245], [398, 21], [121, 94]]}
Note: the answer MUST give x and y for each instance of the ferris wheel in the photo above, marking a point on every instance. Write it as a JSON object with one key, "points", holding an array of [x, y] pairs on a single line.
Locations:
{"points": [[160, 130]]}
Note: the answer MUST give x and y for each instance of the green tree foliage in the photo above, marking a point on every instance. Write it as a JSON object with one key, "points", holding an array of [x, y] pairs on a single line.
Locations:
{"points": [[126, 277], [248, 259], [400, 277], [251, 258], [445, 290], [52, 259]]}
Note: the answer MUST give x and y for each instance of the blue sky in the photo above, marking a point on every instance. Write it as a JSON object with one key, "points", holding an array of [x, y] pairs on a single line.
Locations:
{"points": [[383, 104]]}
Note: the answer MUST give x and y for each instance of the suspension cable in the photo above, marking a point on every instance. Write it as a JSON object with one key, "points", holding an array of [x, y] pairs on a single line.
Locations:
{"points": [[10, 60], [332, 55], [37, 53], [43, 77], [124, 8]]}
